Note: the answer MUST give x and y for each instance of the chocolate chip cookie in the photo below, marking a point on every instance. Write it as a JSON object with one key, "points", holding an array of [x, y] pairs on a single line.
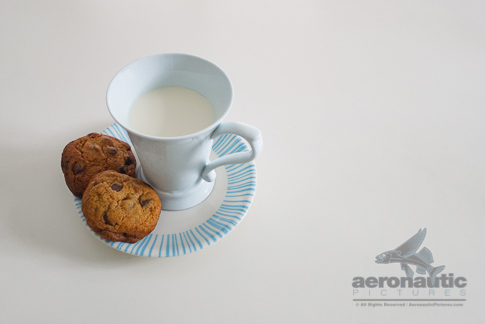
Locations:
{"points": [[87, 156], [120, 208]]}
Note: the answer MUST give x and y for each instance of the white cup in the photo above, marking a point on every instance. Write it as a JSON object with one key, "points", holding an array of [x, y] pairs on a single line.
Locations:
{"points": [[179, 168]]}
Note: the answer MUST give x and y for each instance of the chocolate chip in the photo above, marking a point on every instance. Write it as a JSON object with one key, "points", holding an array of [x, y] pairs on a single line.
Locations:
{"points": [[107, 221], [123, 169], [78, 168], [105, 218], [116, 187], [145, 202], [96, 183], [129, 160], [112, 150], [65, 164]]}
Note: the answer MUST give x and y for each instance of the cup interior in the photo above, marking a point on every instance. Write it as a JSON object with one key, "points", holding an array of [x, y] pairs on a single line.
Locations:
{"points": [[167, 70]]}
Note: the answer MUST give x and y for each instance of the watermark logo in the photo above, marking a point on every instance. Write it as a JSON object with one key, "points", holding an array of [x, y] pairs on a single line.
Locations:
{"points": [[431, 287], [406, 255]]}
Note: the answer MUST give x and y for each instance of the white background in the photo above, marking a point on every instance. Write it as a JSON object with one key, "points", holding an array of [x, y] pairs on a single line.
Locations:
{"points": [[372, 114]]}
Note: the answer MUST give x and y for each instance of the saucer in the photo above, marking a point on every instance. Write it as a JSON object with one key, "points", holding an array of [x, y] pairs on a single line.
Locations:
{"points": [[187, 231]]}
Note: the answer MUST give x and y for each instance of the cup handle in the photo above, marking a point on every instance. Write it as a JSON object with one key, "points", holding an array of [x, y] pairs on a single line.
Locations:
{"points": [[251, 134]]}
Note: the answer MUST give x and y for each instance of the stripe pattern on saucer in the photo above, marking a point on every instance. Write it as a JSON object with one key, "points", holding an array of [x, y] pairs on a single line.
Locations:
{"points": [[240, 191]]}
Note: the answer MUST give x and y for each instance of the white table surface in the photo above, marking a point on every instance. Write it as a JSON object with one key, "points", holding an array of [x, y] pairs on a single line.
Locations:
{"points": [[372, 114]]}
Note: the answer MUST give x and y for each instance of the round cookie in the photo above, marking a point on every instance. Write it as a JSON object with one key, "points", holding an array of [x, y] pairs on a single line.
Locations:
{"points": [[120, 208], [87, 156]]}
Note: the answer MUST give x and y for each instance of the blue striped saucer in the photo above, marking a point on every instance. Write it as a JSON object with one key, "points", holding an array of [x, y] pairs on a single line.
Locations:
{"points": [[187, 231]]}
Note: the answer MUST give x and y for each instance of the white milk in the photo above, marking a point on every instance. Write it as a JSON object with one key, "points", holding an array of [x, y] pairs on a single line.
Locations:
{"points": [[170, 111]]}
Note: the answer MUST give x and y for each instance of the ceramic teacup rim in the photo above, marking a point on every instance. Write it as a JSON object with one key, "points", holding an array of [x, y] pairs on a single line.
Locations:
{"points": [[181, 137]]}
